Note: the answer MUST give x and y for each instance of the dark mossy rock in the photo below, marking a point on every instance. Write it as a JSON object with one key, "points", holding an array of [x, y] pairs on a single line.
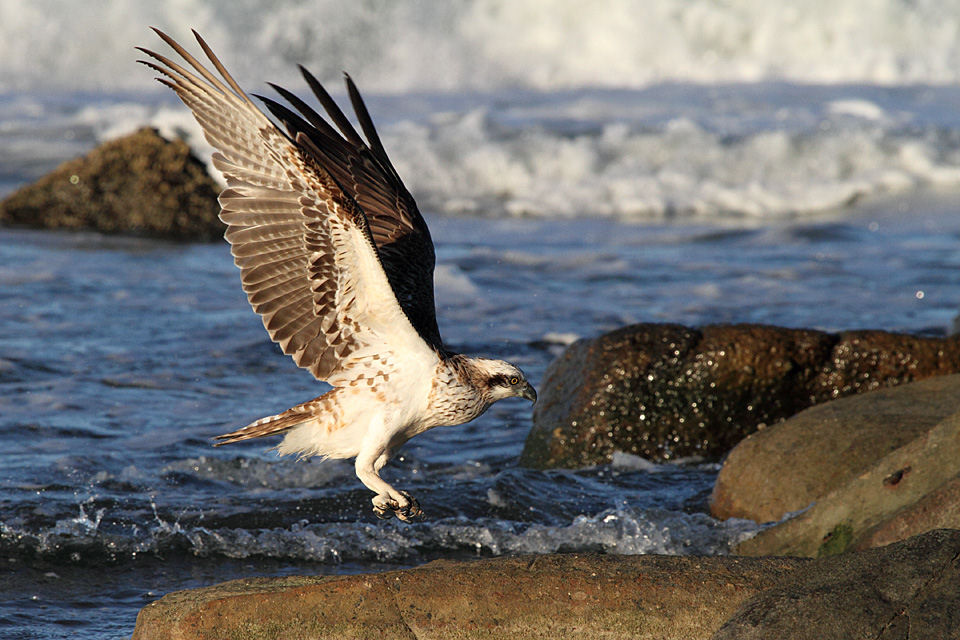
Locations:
{"points": [[665, 391], [139, 184]]}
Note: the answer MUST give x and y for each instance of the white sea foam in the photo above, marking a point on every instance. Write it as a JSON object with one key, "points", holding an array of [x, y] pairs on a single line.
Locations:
{"points": [[490, 44], [759, 151], [560, 339], [679, 151], [622, 531], [613, 531]]}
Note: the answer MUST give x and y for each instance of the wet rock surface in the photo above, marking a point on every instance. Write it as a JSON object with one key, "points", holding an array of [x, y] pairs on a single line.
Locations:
{"points": [[139, 184], [553, 596], [911, 588], [665, 391], [787, 466]]}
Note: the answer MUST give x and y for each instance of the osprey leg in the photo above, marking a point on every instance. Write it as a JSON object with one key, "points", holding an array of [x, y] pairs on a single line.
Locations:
{"points": [[388, 500]]}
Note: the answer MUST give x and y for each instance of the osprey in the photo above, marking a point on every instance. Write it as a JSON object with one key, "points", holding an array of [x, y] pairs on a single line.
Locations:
{"points": [[338, 262]]}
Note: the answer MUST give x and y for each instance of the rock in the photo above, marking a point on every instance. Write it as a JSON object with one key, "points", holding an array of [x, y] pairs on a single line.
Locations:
{"points": [[880, 593], [906, 590], [662, 391], [785, 467], [939, 509], [139, 184], [910, 478], [666, 391], [553, 596]]}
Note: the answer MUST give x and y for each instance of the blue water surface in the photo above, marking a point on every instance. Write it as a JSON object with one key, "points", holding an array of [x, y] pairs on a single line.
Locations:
{"points": [[120, 358]]}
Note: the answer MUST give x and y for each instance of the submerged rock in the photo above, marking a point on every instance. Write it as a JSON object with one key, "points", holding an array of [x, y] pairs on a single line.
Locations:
{"points": [[666, 391], [139, 184], [786, 467], [857, 595]]}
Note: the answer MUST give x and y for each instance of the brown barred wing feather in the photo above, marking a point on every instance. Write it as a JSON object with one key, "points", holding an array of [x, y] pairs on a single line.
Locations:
{"points": [[308, 261], [363, 171]]}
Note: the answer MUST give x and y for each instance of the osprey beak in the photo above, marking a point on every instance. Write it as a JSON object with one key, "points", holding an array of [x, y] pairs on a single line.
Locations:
{"points": [[528, 393]]}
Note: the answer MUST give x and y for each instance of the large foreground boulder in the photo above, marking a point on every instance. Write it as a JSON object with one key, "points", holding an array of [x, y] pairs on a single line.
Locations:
{"points": [[554, 596], [665, 391], [906, 588], [912, 487], [138, 184], [786, 467]]}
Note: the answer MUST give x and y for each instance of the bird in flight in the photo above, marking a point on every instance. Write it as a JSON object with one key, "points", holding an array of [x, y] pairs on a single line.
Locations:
{"points": [[338, 262]]}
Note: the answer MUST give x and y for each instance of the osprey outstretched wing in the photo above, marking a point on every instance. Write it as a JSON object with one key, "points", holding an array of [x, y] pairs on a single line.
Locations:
{"points": [[290, 202], [366, 174], [338, 262]]}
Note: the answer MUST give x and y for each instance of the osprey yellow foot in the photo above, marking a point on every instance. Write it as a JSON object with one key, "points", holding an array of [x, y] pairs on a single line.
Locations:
{"points": [[384, 507], [410, 512]]}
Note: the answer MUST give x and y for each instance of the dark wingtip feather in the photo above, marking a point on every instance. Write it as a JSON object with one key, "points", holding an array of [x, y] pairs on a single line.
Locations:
{"points": [[290, 120], [306, 112], [333, 110], [366, 124]]}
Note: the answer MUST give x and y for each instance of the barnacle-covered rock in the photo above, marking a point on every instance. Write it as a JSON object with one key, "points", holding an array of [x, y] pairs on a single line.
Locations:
{"points": [[665, 391]]}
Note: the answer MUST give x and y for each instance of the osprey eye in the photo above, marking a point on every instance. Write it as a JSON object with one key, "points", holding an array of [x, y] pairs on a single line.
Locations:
{"points": [[514, 380]]}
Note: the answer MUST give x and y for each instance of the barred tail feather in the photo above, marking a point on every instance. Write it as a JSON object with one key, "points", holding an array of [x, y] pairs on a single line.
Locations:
{"points": [[319, 427], [268, 426], [282, 422]]}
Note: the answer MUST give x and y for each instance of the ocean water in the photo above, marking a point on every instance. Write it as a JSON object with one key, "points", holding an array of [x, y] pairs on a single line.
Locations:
{"points": [[580, 170]]}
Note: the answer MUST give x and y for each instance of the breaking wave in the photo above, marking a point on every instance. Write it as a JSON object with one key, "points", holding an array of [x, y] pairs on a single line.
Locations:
{"points": [[494, 44], [758, 152], [523, 108]]}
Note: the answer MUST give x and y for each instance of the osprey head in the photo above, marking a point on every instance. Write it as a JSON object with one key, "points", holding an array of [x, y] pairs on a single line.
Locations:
{"points": [[505, 380]]}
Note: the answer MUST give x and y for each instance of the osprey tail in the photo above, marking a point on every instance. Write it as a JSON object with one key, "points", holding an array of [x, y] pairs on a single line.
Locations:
{"points": [[318, 427], [280, 423]]}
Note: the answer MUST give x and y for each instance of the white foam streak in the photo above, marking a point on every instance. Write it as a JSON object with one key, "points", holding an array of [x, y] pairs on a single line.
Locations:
{"points": [[613, 531]]}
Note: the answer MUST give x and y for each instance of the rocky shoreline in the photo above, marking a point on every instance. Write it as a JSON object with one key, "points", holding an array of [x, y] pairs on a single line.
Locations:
{"points": [[140, 184], [867, 487]]}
